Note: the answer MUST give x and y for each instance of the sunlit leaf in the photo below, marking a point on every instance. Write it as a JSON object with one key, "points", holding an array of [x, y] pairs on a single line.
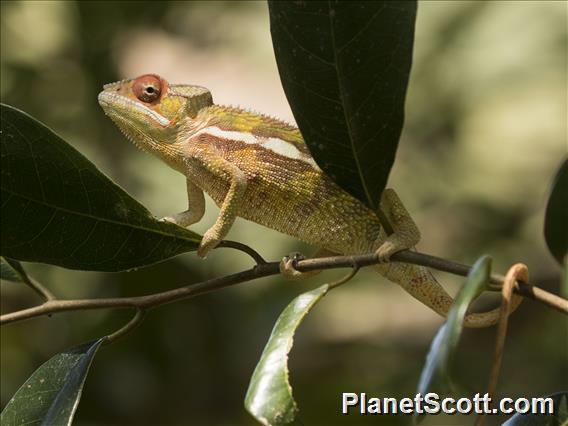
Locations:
{"points": [[58, 208], [269, 396], [555, 220], [435, 375], [52, 393], [558, 418], [345, 68]]}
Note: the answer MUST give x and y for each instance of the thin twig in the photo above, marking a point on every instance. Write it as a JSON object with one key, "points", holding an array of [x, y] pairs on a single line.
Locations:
{"points": [[509, 302], [144, 302], [244, 248], [29, 281], [39, 288], [345, 279], [131, 325], [407, 256], [518, 272], [267, 269]]}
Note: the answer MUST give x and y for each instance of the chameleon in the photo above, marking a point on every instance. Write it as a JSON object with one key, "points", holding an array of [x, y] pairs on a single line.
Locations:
{"points": [[259, 168]]}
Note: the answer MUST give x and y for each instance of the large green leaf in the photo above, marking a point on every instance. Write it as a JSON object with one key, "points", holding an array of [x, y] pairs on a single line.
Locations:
{"points": [[345, 68], [52, 393], [435, 375], [559, 417], [58, 208], [555, 221], [269, 396]]}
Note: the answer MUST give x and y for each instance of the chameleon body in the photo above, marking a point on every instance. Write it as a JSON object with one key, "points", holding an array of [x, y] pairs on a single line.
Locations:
{"points": [[259, 168]]}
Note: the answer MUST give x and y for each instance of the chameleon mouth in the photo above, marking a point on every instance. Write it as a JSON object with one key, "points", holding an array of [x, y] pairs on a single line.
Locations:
{"points": [[109, 100]]}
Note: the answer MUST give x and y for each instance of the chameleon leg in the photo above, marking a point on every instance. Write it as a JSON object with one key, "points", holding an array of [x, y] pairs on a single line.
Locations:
{"points": [[406, 233], [287, 264], [421, 284], [229, 208], [417, 280], [195, 209]]}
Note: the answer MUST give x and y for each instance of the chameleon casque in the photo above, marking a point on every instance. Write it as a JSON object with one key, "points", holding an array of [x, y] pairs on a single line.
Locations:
{"points": [[259, 168]]}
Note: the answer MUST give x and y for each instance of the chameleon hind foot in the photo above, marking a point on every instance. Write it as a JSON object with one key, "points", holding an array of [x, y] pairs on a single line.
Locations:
{"points": [[405, 232], [387, 249]]}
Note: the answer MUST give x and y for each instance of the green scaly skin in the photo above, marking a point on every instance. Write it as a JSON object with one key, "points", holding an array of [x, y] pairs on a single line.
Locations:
{"points": [[257, 167]]}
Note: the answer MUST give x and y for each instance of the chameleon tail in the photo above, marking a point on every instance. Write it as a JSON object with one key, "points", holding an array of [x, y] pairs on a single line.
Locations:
{"points": [[421, 284]]}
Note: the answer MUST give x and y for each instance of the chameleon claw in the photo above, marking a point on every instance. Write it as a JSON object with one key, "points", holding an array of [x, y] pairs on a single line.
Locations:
{"points": [[167, 219], [287, 266]]}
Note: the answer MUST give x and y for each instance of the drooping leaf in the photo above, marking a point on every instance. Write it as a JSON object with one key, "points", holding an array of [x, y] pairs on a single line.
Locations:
{"points": [[51, 394], [555, 222], [269, 396], [435, 375], [345, 68], [559, 417], [58, 208]]}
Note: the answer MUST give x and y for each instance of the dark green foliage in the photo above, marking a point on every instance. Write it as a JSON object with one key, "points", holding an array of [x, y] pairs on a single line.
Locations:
{"points": [[559, 418], [52, 393], [58, 208], [345, 68], [436, 375], [556, 218]]}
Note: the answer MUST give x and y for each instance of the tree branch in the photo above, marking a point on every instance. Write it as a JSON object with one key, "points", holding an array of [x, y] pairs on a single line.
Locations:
{"points": [[272, 268]]}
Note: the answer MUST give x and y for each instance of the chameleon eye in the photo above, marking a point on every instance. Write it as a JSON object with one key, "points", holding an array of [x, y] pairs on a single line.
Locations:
{"points": [[147, 88]]}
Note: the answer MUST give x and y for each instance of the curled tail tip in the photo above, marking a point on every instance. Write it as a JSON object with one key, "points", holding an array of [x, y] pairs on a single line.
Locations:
{"points": [[490, 318], [421, 284]]}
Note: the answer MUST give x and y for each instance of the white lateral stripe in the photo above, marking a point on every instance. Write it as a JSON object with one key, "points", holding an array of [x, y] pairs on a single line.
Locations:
{"points": [[283, 148], [279, 146], [227, 134]]}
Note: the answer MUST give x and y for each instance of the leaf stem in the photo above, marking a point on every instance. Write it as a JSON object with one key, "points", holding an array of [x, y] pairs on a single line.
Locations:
{"points": [[29, 281], [245, 249], [345, 279], [130, 325]]}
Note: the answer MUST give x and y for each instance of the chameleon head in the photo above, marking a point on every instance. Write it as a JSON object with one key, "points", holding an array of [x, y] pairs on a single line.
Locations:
{"points": [[149, 110]]}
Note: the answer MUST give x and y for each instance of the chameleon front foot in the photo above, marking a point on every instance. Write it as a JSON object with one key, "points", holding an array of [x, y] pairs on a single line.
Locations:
{"points": [[209, 241]]}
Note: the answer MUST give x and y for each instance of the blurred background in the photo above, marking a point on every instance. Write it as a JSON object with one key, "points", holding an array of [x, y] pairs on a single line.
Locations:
{"points": [[485, 131]]}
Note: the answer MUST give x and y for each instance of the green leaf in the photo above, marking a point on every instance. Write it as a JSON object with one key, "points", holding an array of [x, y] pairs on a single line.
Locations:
{"points": [[11, 270], [58, 208], [52, 393], [269, 396], [345, 68], [558, 418], [555, 222], [435, 375]]}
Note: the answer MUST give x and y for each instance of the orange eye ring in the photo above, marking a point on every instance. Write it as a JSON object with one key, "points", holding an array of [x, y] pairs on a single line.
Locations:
{"points": [[148, 88]]}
